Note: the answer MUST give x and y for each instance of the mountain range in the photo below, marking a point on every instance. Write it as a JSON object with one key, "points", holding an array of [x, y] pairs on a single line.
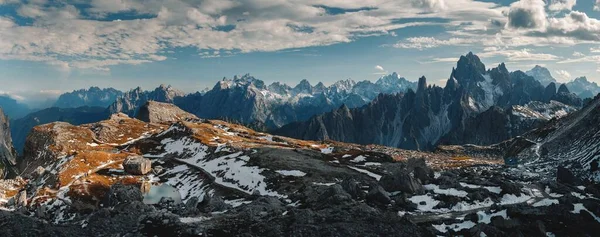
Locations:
{"points": [[581, 86], [436, 115], [93, 97], [170, 173], [476, 106]]}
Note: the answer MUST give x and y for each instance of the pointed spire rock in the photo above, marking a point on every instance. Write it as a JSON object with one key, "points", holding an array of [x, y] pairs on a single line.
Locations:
{"points": [[422, 85]]}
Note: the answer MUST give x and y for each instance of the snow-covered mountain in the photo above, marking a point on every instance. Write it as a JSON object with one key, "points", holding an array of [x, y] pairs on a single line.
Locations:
{"points": [[94, 97], [247, 100], [583, 87], [541, 74], [474, 107]]}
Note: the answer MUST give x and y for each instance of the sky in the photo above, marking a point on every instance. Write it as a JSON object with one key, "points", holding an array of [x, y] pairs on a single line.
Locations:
{"points": [[50, 47]]}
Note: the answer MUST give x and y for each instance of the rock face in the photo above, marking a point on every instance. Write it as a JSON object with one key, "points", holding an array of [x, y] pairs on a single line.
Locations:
{"points": [[137, 165], [8, 155], [93, 97], [158, 112], [475, 107]]}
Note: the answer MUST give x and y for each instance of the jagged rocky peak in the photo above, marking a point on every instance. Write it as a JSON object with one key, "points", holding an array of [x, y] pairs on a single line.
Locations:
{"points": [[243, 81], [563, 89], [422, 84], [158, 112], [167, 93], [541, 74], [279, 88], [304, 87], [8, 155], [469, 69]]}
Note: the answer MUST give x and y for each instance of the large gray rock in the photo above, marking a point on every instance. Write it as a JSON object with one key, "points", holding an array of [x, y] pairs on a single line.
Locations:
{"points": [[137, 165], [402, 181], [158, 112]]}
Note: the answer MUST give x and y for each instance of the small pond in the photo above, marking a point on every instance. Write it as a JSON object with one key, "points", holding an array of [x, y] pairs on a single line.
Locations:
{"points": [[158, 191]]}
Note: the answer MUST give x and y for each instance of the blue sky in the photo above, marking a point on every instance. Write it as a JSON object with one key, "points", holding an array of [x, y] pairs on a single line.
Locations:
{"points": [[49, 47]]}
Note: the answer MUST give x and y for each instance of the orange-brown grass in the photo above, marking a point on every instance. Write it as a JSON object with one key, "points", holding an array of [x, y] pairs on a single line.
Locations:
{"points": [[78, 137], [125, 130], [88, 162], [461, 158]]}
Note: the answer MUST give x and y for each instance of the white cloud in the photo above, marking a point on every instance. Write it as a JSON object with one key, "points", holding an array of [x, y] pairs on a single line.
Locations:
{"points": [[430, 42], [562, 75], [63, 36], [590, 58], [595, 50], [597, 6], [519, 55], [560, 5], [379, 68], [527, 14], [578, 54]]}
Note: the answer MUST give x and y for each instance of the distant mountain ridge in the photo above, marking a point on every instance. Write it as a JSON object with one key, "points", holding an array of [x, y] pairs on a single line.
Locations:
{"points": [[247, 99], [94, 96], [541, 74], [432, 115], [581, 86]]}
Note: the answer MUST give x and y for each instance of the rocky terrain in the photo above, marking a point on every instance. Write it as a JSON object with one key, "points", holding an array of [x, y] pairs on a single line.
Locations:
{"points": [[476, 106], [212, 178]]}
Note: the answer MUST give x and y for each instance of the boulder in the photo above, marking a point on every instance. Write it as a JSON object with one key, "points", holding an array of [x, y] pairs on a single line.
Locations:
{"points": [[565, 176], [137, 165], [378, 195], [158, 112], [212, 204], [120, 193], [335, 194], [352, 187], [402, 181]]}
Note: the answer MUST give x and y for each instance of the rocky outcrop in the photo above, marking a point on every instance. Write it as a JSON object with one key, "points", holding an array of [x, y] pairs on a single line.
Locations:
{"points": [[8, 155], [158, 112], [137, 165]]}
